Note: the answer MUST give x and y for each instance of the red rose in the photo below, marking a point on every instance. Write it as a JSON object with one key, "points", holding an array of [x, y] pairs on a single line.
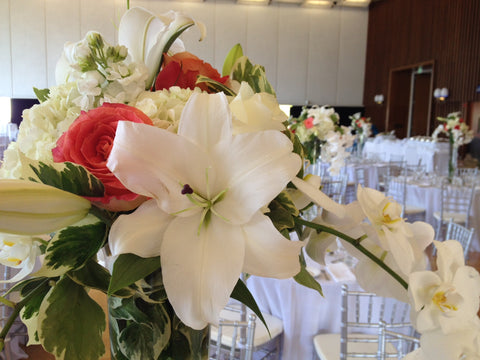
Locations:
{"points": [[182, 69], [308, 123], [88, 142]]}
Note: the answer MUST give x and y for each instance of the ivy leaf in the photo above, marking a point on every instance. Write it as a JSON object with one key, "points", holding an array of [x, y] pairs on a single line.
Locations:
{"points": [[254, 75], [66, 315], [233, 55], [73, 246], [41, 94], [92, 275], [129, 268], [282, 212], [67, 176], [215, 86]]}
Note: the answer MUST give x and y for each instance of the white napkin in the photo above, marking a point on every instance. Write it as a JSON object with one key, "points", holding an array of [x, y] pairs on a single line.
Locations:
{"points": [[340, 272]]}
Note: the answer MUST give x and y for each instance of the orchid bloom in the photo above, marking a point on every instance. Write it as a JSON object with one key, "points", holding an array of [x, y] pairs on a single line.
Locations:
{"points": [[405, 241], [148, 36], [447, 299], [204, 219], [19, 252]]}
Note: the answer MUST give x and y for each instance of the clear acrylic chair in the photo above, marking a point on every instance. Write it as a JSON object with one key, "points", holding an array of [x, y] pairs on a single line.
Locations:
{"points": [[402, 343], [468, 175], [232, 339], [335, 187], [361, 314], [456, 202], [460, 233], [397, 189], [361, 176]]}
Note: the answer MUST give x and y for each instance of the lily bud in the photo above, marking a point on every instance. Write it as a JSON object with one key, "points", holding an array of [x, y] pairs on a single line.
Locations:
{"points": [[30, 208]]}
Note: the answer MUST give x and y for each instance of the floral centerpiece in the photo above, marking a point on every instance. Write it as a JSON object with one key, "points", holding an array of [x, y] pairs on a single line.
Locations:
{"points": [[362, 127], [458, 134], [160, 184], [322, 136]]}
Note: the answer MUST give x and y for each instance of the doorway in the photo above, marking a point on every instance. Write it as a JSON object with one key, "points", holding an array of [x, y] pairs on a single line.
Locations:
{"points": [[410, 100]]}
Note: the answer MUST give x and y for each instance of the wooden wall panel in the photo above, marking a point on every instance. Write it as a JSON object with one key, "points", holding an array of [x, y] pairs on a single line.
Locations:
{"points": [[404, 32]]}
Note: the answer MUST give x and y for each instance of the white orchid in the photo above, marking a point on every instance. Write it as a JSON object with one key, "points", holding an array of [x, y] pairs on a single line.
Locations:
{"points": [[255, 111], [18, 252], [204, 220], [147, 36], [447, 299], [405, 241]]}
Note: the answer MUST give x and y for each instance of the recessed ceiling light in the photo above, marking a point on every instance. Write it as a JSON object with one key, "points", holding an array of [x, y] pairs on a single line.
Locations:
{"points": [[317, 3], [363, 3], [253, 2]]}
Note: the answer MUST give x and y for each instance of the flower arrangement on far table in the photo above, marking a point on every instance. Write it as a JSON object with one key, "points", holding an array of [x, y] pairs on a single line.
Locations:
{"points": [[322, 136], [161, 184], [458, 134], [362, 127]]}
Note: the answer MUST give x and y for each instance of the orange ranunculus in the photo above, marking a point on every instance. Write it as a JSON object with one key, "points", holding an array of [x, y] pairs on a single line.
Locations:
{"points": [[182, 70], [88, 142]]}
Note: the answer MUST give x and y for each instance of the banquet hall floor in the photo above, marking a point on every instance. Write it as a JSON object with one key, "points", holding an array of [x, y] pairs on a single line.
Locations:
{"points": [[35, 352]]}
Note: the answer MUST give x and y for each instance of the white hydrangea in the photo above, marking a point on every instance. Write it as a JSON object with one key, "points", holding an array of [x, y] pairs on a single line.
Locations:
{"points": [[164, 107]]}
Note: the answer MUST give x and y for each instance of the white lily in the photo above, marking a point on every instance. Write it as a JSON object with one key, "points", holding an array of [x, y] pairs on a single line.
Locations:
{"points": [[447, 299], [256, 111], [148, 36], [19, 252], [31, 208], [204, 220]]}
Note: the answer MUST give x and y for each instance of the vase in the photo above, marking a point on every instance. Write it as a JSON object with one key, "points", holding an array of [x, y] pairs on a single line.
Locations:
{"points": [[452, 160], [145, 327], [360, 145]]}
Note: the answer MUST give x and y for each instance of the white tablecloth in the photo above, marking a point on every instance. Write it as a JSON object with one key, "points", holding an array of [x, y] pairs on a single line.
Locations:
{"points": [[305, 313], [434, 155]]}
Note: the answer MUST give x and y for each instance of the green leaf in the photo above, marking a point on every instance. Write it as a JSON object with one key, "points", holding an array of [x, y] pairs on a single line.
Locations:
{"points": [[306, 279], [71, 323], [69, 177], [73, 246], [254, 75], [188, 343], [215, 86], [241, 293], [36, 289], [41, 94], [233, 55], [129, 268], [92, 275], [280, 213]]}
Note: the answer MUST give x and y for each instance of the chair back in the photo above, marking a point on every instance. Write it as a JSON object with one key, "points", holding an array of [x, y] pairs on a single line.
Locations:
{"points": [[335, 187], [403, 343], [460, 233], [456, 203], [361, 314], [361, 176], [468, 175], [397, 190], [233, 340]]}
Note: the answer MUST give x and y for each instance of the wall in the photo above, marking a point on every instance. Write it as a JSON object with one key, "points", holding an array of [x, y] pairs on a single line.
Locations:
{"points": [[309, 54], [404, 32]]}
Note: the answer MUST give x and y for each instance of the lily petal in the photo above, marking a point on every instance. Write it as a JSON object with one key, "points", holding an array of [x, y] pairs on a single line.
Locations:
{"points": [[449, 258], [268, 253], [200, 279], [320, 198], [140, 232]]}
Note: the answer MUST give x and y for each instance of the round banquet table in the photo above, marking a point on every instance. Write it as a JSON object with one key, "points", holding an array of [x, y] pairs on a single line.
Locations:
{"points": [[304, 312]]}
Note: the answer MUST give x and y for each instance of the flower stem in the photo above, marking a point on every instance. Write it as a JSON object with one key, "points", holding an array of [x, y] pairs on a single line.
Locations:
{"points": [[357, 244]]}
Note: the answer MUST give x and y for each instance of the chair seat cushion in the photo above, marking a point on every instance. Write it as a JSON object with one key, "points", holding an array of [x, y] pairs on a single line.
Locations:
{"points": [[459, 218], [275, 325], [327, 346], [414, 209]]}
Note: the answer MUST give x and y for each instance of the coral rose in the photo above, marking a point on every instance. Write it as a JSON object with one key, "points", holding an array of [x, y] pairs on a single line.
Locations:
{"points": [[182, 69], [88, 142]]}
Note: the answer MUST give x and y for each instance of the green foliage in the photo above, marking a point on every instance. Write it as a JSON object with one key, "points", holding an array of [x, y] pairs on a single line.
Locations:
{"points": [[233, 55], [254, 75], [67, 314], [69, 177], [41, 94], [306, 279], [129, 268], [215, 86], [73, 246], [282, 212]]}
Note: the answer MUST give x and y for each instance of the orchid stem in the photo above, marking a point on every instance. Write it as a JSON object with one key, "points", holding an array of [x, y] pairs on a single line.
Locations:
{"points": [[356, 243]]}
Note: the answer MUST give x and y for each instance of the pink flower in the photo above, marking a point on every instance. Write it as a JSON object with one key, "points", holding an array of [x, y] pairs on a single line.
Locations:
{"points": [[308, 122]]}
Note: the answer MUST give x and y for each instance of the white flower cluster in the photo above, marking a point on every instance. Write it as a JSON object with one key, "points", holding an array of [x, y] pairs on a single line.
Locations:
{"points": [[455, 128], [361, 125], [334, 151]]}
